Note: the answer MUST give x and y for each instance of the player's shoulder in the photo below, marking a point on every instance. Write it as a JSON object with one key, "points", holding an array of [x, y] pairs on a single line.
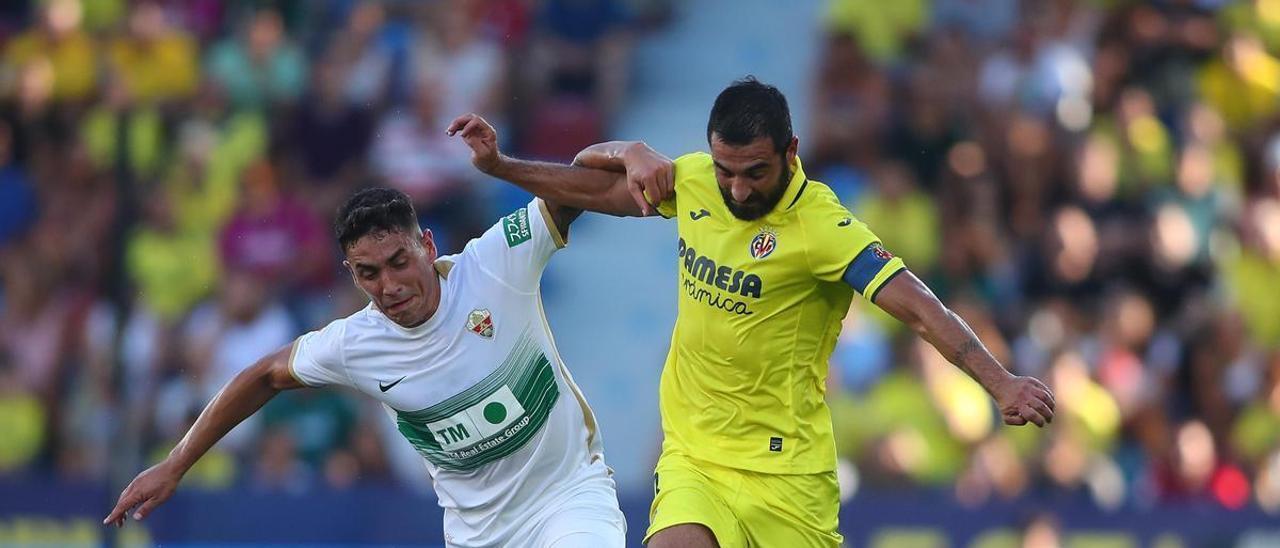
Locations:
{"points": [[694, 163], [817, 199], [826, 220], [695, 176]]}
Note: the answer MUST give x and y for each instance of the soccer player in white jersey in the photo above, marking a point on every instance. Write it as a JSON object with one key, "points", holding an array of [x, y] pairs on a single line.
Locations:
{"points": [[458, 351]]}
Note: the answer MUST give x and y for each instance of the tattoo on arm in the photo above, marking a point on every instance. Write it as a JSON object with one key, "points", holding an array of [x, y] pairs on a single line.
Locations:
{"points": [[963, 357], [962, 354]]}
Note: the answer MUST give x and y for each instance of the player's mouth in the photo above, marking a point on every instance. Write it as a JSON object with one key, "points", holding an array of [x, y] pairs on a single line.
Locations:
{"points": [[400, 306]]}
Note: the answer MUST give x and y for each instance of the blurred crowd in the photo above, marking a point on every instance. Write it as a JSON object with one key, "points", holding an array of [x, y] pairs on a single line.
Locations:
{"points": [[1095, 187], [169, 170]]}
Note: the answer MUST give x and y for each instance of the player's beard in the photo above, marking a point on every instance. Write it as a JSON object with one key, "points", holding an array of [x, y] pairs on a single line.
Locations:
{"points": [[757, 205]]}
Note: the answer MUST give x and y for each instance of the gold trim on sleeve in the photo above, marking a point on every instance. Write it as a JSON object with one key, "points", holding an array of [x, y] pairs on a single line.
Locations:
{"points": [[556, 235]]}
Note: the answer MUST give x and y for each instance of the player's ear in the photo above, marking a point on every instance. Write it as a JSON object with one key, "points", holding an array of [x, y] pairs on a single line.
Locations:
{"points": [[792, 148], [429, 245], [350, 270]]}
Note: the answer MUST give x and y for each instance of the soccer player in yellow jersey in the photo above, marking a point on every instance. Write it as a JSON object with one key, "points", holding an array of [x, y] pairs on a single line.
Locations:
{"points": [[769, 261]]}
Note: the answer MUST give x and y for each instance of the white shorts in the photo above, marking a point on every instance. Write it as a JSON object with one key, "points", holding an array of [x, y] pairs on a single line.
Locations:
{"points": [[588, 517]]}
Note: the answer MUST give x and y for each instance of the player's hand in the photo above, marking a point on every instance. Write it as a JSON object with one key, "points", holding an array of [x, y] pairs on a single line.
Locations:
{"points": [[1024, 400], [152, 487], [481, 137], [650, 177]]}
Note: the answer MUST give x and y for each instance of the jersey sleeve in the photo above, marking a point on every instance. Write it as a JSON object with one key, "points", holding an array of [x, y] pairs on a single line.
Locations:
{"points": [[687, 168], [842, 248], [316, 358], [517, 248]]}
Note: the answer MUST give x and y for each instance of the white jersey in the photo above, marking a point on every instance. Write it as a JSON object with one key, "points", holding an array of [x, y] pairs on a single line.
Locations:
{"points": [[479, 388]]}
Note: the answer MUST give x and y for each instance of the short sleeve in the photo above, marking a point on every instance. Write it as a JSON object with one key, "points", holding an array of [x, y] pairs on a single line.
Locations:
{"points": [[840, 247], [688, 168], [316, 358], [517, 248]]}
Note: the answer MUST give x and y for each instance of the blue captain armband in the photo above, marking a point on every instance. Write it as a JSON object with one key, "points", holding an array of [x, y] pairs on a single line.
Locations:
{"points": [[867, 266]]}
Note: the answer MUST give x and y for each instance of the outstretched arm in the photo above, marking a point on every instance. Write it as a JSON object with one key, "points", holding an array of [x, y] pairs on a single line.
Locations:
{"points": [[1021, 399], [621, 190], [239, 399]]}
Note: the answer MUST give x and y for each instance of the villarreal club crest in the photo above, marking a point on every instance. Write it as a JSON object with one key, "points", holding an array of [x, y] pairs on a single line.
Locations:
{"points": [[480, 322], [764, 243]]}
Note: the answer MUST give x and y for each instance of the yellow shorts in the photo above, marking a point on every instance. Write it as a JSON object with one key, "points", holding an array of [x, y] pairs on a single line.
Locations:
{"points": [[744, 508]]}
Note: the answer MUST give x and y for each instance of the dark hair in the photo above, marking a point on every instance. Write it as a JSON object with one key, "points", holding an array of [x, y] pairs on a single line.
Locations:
{"points": [[749, 109], [374, 210]]}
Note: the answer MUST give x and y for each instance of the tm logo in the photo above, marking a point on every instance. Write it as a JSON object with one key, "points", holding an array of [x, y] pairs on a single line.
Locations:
{"points": [[699, 214], [453, 434]]}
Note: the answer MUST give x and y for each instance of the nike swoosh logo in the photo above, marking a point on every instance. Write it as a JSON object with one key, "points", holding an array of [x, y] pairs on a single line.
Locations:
{"points": [[700, 214], [386, 387], [846, 222]]}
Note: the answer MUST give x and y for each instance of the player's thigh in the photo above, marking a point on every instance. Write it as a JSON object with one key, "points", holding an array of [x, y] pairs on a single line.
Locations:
{"points": [[690, 506], [685, 535], [590, 532], [796, 511], [589, 519]]}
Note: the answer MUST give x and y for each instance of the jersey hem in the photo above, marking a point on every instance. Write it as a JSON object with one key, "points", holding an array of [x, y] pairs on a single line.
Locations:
{"points": [[788, 469]]}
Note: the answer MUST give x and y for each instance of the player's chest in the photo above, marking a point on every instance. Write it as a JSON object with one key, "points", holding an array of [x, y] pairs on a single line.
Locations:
{"points": [[743, 259], [477, 341]]}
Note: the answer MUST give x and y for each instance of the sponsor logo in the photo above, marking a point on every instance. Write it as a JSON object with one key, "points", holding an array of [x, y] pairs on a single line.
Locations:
{"points": [[516, 227], [700, 214], [386, 387], [480, 322], [496, 414], [845, 222], [763, 244], [775, 444], [724, 285], [739, 282]]}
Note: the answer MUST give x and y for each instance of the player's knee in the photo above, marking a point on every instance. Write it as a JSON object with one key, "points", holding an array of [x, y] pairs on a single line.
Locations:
{"points": [[684, 535]]}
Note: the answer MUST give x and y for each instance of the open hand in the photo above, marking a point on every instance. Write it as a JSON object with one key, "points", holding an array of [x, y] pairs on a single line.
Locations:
{"points": [[152, 487], [480, 137]]}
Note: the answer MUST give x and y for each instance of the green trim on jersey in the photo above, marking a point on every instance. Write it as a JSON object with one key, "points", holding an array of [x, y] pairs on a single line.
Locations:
{"points": [[489, 420]]}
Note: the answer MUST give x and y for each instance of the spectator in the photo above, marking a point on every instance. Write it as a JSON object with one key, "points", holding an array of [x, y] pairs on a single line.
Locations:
{"points": [[57, 46], [154, 61], [17, 198], [412, 153], [261, 67], [331, 136]]}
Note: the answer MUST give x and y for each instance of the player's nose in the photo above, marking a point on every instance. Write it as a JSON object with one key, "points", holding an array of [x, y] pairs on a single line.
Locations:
{"points": [[740, 191]]}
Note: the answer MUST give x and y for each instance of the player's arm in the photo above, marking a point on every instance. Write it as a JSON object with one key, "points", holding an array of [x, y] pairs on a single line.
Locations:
{"points": [[1021, 399], [240, 398], [618, 193]]}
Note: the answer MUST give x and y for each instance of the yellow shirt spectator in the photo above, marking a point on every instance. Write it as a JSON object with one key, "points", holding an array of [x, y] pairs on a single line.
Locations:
{"points": [[881, 28], [71, 57], [156, 70]]}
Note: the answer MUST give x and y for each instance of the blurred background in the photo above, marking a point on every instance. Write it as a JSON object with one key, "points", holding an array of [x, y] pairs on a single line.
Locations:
{"points": [[1093, 185]]}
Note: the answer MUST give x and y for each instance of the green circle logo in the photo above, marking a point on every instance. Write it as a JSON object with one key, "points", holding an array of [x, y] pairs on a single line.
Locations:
{"points": [[495, 412]]}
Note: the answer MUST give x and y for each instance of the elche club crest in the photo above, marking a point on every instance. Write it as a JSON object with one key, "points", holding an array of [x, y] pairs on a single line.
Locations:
{"points": [[764, 243], [480, 322]]}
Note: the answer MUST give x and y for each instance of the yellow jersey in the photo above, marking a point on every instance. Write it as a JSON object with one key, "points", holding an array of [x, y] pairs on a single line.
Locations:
{"points": [[760, 308]]}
